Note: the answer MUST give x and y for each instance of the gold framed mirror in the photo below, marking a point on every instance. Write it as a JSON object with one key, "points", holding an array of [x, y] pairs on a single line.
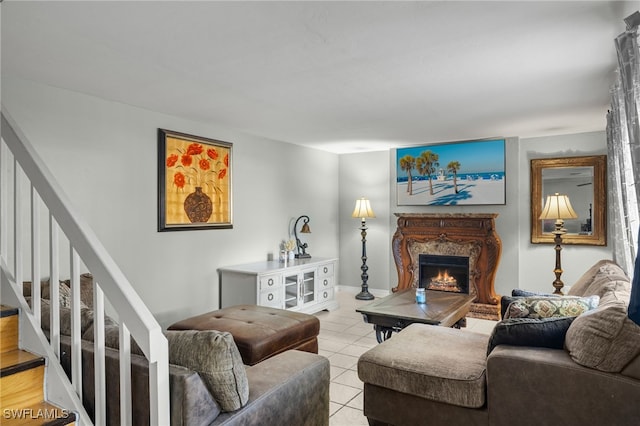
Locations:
{"points": [[583, 180]]}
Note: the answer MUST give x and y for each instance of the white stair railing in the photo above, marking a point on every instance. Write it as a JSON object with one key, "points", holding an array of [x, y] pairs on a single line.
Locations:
{"points": [[20, 166]]}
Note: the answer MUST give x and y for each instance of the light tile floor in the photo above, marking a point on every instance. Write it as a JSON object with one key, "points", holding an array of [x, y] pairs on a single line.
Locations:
{"points": [[344, 336]]}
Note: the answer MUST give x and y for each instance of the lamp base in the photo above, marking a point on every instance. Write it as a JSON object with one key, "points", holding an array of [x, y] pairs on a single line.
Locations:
{"points": [[303, 256], [365, 295], [557, 283]]}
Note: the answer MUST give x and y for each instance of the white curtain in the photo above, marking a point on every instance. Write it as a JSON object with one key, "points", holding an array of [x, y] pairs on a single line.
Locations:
{"points": [[623, 145]]}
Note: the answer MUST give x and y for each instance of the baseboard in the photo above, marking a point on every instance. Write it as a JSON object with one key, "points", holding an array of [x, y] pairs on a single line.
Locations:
{"points": [[355, 290]]}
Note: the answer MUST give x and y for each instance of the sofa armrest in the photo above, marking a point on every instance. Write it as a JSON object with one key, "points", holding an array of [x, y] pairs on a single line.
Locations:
{"points": [[291, 388], [542, 386], [191, 402]]}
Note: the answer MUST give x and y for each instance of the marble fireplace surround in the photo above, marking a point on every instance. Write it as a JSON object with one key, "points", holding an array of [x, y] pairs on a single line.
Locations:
{"points": [[456, 234]]}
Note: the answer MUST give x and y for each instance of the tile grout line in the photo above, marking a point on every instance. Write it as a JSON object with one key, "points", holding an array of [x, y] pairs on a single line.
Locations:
{"points": [[334, 337]]}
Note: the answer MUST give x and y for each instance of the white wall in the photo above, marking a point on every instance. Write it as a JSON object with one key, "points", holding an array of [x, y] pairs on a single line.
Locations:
{"points": [[537, 261], [104, 155], [365, 175], [522, 264]]}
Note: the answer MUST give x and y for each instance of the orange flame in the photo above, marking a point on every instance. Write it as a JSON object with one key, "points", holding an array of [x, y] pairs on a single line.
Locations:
{"points": [[444, 277]]}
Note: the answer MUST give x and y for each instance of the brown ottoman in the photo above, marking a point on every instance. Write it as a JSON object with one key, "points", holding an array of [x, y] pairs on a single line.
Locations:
{"points": [[259, 332]]}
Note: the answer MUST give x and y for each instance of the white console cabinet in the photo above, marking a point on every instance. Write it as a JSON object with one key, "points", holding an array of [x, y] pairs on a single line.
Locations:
{"points": [[303, 285]]}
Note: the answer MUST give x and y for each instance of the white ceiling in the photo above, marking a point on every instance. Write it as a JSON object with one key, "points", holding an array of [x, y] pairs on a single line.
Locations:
{"points": [[338, 76]]}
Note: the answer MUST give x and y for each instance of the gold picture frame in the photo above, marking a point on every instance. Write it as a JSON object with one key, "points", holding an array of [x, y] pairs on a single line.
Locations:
{"points": [[570, 175], [194, 182]]}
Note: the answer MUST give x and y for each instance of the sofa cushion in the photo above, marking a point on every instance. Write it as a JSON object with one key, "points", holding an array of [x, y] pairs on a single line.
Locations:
{"points": [[86, 288], [547, 307], [517, 294], [543, 332], [26, 287], [601, 269], [604, 339], [64, 294], [437, 363], [632, 369], [111, 336], [86, 318], [215, 357]]}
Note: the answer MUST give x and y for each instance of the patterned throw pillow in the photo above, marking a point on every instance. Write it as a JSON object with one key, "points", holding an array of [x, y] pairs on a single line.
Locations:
{"points": [[548, 307], [517, 294], [64, 295], [86, 318]]}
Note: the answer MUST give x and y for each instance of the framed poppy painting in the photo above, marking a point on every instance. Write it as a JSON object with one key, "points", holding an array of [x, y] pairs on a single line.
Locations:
{"points": [[194, 182]]}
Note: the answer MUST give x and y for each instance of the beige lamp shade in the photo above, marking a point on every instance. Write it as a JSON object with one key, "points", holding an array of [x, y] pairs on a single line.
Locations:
{"points": [[363, 209], [556, 207]]}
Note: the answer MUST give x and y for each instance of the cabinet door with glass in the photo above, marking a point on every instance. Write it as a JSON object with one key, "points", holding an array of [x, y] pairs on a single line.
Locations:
{"points": [[299, 289]]}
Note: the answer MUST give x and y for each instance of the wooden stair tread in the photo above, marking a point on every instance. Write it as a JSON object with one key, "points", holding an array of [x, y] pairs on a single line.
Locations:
{"points": [[19, 371], [18, 360], [41, 414]]}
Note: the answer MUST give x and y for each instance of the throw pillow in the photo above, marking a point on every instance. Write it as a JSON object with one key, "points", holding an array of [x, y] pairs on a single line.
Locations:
{"points": [[505, 301], [26, 287], [215, 356], [86, 318], [543, 333], [516, 294], [547, 307], [579, 288], [64, 294], [44, 288], [604, 339], [86, 288], [111, 336]]}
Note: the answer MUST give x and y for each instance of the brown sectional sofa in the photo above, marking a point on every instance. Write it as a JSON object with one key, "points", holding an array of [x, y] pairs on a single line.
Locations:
{"points": [[299, 378], [439, 376], [291, 387]]}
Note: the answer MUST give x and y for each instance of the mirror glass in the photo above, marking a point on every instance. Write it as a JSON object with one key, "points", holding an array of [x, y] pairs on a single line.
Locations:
{"points": [[582, 179]]}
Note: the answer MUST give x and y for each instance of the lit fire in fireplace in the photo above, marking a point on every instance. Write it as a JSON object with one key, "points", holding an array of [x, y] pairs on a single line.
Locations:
{"points": [[444, 281]]}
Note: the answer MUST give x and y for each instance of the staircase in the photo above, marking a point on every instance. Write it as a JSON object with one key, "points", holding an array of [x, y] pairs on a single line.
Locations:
{"points": [[22, 399], [30, 197]]}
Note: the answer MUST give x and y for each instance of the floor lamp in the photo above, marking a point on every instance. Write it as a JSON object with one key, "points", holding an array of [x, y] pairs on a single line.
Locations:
{"points": [[558, 207], [363, 211]]}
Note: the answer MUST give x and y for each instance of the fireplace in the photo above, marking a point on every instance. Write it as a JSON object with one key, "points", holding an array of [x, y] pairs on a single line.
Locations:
{"points": [[469, 235], [444, 273]]}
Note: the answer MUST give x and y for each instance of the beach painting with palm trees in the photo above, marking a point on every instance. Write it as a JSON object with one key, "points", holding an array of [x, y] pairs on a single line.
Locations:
{"points": [[457, 173]]}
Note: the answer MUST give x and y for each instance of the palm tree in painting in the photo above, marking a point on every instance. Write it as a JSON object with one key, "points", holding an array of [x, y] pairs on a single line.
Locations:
{"points": [[427, 164], [453, 167], [407, 163]]}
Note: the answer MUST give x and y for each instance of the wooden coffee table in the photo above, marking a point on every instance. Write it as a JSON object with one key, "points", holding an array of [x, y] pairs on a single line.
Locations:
{"points": [[398, 310]]}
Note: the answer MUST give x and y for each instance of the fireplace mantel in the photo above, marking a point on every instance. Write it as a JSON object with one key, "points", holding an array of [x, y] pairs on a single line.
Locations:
{"points": [[462, 234]]}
